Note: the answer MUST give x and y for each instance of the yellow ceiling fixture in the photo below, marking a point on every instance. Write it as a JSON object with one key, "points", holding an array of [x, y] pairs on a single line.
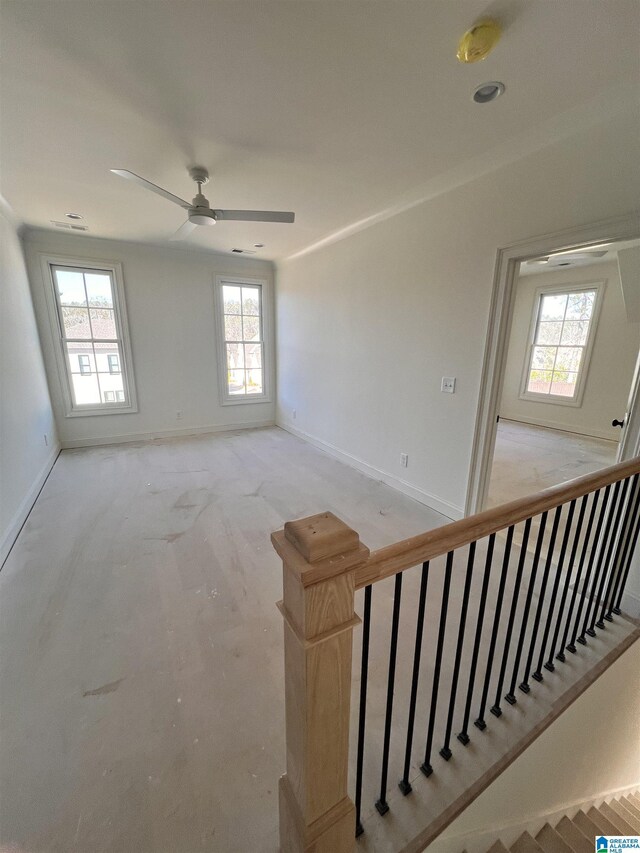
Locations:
{"points": [[478, 42]]}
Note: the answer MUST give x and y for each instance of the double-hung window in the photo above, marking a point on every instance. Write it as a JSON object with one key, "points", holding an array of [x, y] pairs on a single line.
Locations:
{"points": [[88, 315], [561, 339], [243, 351]]}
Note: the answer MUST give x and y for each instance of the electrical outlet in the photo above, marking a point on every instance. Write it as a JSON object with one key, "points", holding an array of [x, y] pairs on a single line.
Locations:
{"points": [[294, 414], [178, 416], [404, 460], [448, 385]]}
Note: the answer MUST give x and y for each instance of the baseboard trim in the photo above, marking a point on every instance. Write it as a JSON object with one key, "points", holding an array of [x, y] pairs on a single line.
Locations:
{"points": [[128, 438], [541, 422], [17, 523], [443, 507]]}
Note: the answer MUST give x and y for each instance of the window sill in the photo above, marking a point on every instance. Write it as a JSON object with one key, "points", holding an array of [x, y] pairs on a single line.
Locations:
{"points": [[102, 410], [245, 401], [574, 402]]}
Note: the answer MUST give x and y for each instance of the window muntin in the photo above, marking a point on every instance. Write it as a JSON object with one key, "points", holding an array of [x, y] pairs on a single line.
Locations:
{"points": [[242, 326], [88, 308], [563, 325]]}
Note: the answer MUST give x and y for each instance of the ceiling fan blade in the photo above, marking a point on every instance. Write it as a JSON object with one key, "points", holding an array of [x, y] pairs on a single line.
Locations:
{"points": [[185, 229], [256, 215], [131, 176]]}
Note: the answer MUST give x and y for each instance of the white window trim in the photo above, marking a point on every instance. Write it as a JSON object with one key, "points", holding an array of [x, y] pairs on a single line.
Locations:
{"points": [[47, 263], [227, 399], [555, 399]]}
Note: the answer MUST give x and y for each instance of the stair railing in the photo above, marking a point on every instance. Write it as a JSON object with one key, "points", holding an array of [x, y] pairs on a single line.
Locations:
{"points": [[538, 575]]}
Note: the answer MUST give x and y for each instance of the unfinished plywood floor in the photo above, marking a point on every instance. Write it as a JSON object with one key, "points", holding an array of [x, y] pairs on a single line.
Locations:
{"points": [[141, 665], [530, 458]]}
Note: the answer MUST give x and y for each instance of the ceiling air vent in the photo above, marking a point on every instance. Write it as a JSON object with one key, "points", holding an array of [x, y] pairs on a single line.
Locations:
{"points": [[69, 226]]}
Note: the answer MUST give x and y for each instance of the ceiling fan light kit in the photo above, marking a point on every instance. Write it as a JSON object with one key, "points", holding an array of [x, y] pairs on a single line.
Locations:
{"points": [[199, 211]]}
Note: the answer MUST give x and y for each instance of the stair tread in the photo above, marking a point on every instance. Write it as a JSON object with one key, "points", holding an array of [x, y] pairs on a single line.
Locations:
{"points": [[551, 841], [576, 839], [619, 821], [498, 847], [635, 798], [605, 826], [627, 814], [526, 844], [630, 805], [586, 825]]}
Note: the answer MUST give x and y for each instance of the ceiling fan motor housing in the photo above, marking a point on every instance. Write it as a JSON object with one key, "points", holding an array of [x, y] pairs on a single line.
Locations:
{"points": [[202, 216]]}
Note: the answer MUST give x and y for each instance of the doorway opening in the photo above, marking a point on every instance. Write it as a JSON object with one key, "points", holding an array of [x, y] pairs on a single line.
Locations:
{"points": [[561, 380]]}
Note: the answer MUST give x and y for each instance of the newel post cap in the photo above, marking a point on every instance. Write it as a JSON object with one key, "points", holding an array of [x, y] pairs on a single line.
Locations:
{"points": [[320, 537]]}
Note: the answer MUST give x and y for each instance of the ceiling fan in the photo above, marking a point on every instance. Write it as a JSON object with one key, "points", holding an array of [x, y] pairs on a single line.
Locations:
{"points": [[199, 210]]}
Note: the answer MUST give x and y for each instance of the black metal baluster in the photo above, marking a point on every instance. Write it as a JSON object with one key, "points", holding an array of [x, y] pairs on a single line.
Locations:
{"points": [[625, 560], [480, 721], [621, 487], [496, 710], [612, 559], [463, 735], [571, 647], [445, 752], [595, 545], [364, 673], [404, 784], [634, 542], [381, 804], [524, 685], [601, 568], [511, 695], [554, 592], [567, 582], [426, 767], [614, 575]]}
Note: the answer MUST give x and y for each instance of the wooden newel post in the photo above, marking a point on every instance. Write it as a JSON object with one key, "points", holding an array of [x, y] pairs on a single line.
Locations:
{"points": [[320, 555]]}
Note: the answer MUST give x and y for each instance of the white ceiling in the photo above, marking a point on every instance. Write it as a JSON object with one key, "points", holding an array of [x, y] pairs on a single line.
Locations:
{"points": [[336, 110]]}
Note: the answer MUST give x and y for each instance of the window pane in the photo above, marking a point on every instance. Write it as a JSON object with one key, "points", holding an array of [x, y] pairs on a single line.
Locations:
{"points": [[254, 382], [553, 306], [564, 383], [580, 305], [568, 358], [103, 351], [539, 381], [85, 389], [543, 358], [76, 322], [112, 383], [70, 287], [235, 356], [80, 356], [235, 379], [231, 299], [575, 332], [103, 323], [233, 328], [549, 333], [251, 328], [251, 300], [99, 289], [252, 355]]}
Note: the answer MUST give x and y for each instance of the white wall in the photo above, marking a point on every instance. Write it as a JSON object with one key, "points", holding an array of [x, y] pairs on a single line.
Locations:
{"points": [[25, 409], [169, 294], [613, 358], [369, 325], [563, 768]]}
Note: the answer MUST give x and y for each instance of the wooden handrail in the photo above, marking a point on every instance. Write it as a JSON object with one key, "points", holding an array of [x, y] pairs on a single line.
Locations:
{"points": [[402, 555]]}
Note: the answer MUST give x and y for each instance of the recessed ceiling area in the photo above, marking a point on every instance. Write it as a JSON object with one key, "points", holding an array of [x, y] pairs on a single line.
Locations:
{"points": [[334, 110]]}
